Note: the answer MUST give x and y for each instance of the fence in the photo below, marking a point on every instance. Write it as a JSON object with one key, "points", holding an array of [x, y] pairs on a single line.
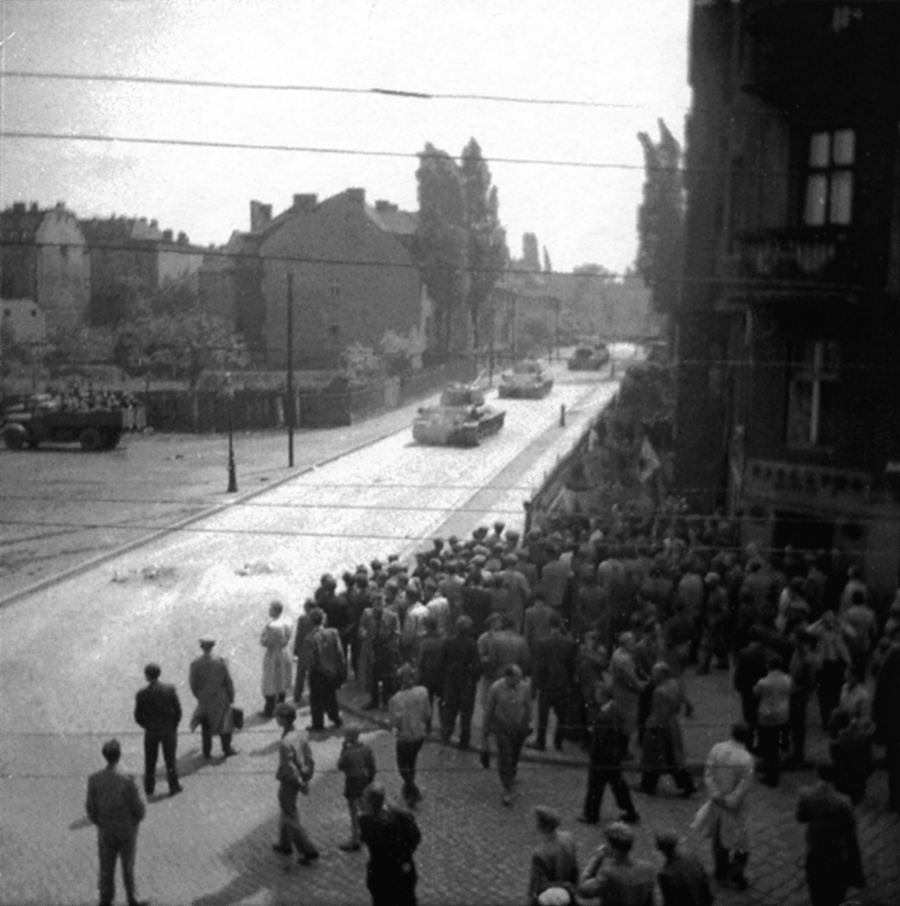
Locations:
{"points": [[337, 404]]}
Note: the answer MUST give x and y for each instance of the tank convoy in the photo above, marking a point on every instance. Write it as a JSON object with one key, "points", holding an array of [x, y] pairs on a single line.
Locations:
{"points": [[589, 358], [462, 418], [96, 421], [527, 380]]}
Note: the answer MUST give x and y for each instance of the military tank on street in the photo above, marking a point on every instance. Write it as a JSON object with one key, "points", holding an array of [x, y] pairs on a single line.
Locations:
{"points": [[527, 381], [462, 418]]}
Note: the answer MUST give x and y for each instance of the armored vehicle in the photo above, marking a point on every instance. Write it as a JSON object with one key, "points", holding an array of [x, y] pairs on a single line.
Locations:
{"points": [[589, 358], [47, 419], [460, 419], [527, 380]]}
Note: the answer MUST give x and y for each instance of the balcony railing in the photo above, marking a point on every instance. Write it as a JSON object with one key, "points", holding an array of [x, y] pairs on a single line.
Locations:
{"points": [[811, 258]]}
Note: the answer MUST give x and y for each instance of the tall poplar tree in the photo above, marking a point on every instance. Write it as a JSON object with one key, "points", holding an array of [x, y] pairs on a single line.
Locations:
{"points": [[487, 252], [660, 219], [441, 240]]}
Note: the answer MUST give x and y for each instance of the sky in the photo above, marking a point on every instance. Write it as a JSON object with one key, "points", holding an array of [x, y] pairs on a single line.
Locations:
{"points": [[569, 172]]}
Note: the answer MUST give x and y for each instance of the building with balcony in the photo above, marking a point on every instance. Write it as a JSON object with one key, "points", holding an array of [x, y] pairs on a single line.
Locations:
{"points": [[788, 321]]}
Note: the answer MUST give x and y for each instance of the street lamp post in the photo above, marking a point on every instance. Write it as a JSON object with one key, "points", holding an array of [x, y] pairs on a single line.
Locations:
{"points": [[232, 475]]}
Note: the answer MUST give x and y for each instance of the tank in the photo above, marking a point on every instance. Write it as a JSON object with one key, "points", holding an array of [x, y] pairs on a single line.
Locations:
{"points": [[527, 380], [462, 418]]}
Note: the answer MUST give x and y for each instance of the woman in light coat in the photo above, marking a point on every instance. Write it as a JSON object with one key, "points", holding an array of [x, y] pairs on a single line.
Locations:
{"points": [[276, 675]]}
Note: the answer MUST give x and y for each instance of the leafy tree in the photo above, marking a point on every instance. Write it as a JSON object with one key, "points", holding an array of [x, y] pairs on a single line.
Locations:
{"points": [[661, 218], [441, 240], [487, 254]]}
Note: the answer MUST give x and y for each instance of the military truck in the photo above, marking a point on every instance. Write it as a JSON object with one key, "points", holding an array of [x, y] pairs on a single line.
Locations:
{"points": [[462, 418], [44, 418]]}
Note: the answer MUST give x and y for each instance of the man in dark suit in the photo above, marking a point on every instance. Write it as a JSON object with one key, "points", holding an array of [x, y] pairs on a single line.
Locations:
{"points": [[552, 679], [327, 671], [833, 861], [682, 880], [115, 806], [158, 710]]}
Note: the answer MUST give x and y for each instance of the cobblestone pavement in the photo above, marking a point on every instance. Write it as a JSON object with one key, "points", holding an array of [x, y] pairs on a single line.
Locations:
{"points": [[211, 844]]}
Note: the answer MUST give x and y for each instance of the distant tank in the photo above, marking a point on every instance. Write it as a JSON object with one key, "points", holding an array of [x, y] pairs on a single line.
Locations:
{"points": [[527, 380], [460, 419]]}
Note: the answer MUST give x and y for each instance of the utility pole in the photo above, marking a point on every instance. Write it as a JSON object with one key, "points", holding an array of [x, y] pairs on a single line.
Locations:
{"points": [[289, 414]]}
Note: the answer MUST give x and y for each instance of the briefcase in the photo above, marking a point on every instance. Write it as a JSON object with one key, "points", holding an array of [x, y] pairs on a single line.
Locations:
{"points": [[237, 717]]}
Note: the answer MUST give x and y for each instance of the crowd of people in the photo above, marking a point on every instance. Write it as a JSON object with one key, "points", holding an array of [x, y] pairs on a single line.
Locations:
{"points": [[586, 628]]}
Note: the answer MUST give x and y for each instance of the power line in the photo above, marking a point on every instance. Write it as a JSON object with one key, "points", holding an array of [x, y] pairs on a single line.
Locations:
{"points": [[328, 89], [302, 149]]}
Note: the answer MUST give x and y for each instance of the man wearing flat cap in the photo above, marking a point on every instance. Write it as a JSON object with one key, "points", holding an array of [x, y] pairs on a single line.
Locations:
{"points": [[614, 876], [554, 861], [683, 879]]}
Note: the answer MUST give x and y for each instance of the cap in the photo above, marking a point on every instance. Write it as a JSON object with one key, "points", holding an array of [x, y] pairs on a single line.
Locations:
{"points": [[548, 817], [667, 840], [207, 642], [619, 832]]}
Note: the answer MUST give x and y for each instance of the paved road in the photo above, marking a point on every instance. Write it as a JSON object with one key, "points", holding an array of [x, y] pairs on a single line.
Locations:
{"points": [[212, 844]]}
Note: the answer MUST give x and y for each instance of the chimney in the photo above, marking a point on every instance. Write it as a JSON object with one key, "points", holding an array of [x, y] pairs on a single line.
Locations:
{"points": [[167, 235], [385, 207], [260, 215], [183, 238], [18, 207], [34, 207], [305, 204], [356, 196]]}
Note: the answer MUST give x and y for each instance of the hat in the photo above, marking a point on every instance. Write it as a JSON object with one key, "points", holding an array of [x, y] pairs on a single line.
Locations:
{"points": [[555, 896], [547, 817], [207, 642], [479, 559], [453, 540], [376, 565], [667, 840], [510, 559], [494, 618], [619, 832]]}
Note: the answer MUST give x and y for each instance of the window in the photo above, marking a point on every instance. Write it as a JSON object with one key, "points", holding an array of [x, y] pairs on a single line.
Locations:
{"points": [[813, 394], [829, 181]]}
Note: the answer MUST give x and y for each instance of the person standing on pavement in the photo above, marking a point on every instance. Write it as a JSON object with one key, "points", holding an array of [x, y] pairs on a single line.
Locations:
{"points": [[392, 836], [606, 761], [728, 776], [553, 674], [507, 715], [460, 668], [327, 671], [302, 649], [682, 880], [409, 712], [212, 686], [295, 770], [613, 876], [379, 632], [158, 710], [115, 806], [833, 861], [357, 764], [554, 861], [626, 686], [885, 712], [774, 694], [663, 748], [276, 672]]}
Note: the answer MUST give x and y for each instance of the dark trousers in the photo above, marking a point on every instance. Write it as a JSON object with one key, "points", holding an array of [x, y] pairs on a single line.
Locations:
{"points": [[271, 701], [829, 681], [291, 831], [771, 741], [826, 888], [797, 721], [114, 844], [407, 755], [323, 699], [383, 681], [729, 863], [509, 750], [557, 701], [598, 777], [458, 700], [392, 889], [152, 743], [750, 713], [206, 740]]}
